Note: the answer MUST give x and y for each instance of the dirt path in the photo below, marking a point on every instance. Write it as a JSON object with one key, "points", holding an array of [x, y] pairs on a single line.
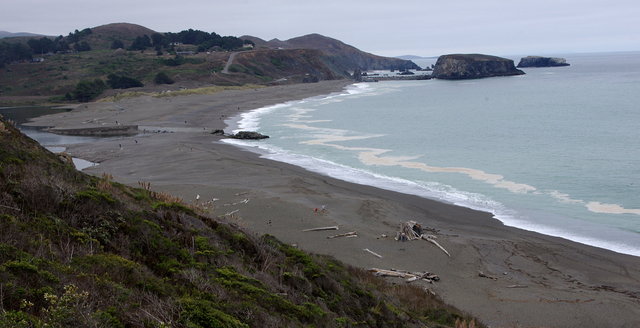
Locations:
{"points": [[229, 63]]}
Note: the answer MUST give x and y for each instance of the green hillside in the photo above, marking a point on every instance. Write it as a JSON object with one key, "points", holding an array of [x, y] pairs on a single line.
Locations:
{"points": [[82, 251], [38, 70]]}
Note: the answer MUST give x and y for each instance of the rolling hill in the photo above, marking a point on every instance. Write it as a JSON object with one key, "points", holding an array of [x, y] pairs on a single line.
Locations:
{"points": [[102, 36], [5, 34], [339, 55]]}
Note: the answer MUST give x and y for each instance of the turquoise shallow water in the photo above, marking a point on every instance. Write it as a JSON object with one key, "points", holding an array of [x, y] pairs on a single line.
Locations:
{"points": [[555, 151]]}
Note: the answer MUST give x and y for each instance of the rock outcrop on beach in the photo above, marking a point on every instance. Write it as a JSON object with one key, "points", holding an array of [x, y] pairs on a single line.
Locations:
{"points": [[538, 61], [248, 135], [473, 66]]}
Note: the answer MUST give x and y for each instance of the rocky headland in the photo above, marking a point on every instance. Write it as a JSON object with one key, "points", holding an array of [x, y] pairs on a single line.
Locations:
{"points": [[473, 66], [539, 61]]}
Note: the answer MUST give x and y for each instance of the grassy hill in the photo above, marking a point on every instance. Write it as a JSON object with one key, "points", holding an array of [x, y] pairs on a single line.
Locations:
{"points": [[83, 251], [103, 36]]}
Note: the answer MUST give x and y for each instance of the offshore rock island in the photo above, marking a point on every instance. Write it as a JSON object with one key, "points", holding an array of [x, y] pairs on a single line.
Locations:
{"points": [[539, 61], [473, 66]]}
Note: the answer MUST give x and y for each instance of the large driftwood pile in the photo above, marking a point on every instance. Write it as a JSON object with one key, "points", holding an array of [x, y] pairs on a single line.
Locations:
{"points": [[412, 230]]}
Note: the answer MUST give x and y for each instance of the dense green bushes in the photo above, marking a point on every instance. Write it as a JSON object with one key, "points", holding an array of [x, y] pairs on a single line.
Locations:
{"points": [[163, 78], [86, 91], [122, 82]]}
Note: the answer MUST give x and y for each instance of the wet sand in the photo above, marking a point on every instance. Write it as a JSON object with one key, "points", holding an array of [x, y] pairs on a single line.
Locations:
{"points": [[540, 281]]}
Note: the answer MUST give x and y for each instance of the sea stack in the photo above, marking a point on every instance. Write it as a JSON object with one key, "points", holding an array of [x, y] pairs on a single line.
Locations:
{"points": [[538, 61], [473, 66]]}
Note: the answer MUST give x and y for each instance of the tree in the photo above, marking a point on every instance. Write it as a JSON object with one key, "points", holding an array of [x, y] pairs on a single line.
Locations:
{"points": [[82, 46], [42, 45], [78, 35], [141, 43], [117, 44], [157, 40], [231, 42], [176, 61], [10, 52], [60, 44], [163, 78]]}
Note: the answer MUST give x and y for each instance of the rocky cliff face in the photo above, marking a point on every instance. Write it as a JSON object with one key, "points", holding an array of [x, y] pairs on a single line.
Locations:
{"points": [[538, 61], [473, 66], [336, 54]]}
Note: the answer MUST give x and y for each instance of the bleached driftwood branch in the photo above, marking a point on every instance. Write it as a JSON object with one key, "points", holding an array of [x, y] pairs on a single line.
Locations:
{"points": [[232, 212], [372, 253], [346, 234], [432, 240]]}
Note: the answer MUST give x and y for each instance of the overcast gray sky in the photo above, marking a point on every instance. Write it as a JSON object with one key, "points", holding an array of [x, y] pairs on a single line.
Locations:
{"points": [[389, 27]]}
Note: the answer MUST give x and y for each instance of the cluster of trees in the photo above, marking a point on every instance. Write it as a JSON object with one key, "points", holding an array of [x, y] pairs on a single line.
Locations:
{"points": [[16, 51], [10, 52], [122, 82], [76, 36], [203, 40], [88, 90], [60, 44], [45, 45]]}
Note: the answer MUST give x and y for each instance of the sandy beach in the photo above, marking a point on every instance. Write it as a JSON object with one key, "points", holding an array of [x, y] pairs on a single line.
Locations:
{"points": [[530, 280]]}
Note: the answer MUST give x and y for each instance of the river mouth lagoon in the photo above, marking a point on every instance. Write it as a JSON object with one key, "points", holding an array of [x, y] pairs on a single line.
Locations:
{"points": [[554, 151]]}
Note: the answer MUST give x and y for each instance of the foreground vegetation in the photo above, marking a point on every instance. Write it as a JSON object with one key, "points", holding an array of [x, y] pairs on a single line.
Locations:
{"points": [[83, 251]]}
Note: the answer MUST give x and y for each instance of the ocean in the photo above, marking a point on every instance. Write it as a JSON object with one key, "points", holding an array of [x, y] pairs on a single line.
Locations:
{"points": [[556, 151]]}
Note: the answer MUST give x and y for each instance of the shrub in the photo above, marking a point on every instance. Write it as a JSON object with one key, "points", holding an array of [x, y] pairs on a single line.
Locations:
{"points": [[117, 44], [202, 313], [163, 78], [96, 196], [176, 61], [173, 206], [122, 82], [88, 90]]}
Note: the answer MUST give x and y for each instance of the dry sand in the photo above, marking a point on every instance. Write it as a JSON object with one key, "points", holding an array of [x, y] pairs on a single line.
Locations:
{"points": [[540, 281]]}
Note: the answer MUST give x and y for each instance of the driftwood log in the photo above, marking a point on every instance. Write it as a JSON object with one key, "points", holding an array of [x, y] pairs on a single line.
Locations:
{"points": [[432, 239], [321, 228], [408, 276], [346, 234], [483, 275], [372, 253]]}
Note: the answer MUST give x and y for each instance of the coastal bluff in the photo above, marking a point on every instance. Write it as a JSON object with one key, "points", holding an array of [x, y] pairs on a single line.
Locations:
{"points": [[473, 66], [539, 61]]}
